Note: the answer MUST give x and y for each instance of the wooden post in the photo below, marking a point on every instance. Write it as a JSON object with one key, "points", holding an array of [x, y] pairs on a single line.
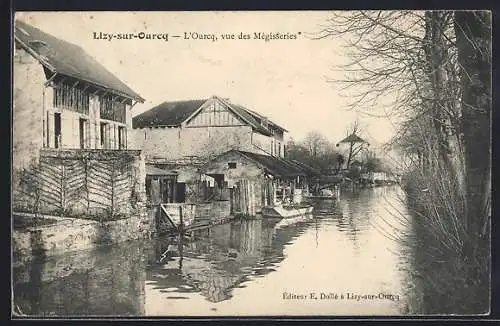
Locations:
{"points": [[181, 222], [252, 198], [247, 198], [244, 197]]}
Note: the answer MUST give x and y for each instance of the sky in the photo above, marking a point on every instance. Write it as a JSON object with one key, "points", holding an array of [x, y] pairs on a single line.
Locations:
{"points": [[285, 80]]}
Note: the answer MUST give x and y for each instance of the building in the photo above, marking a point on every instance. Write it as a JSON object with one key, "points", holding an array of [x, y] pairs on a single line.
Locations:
{"points": [[258, 180], [71, 123], [353, 148], [203, 129]]}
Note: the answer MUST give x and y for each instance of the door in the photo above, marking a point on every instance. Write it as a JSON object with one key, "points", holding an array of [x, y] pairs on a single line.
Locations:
{"points": [[167, 190], [122, 138], [181, 192], [104, 135], [57, 130]]}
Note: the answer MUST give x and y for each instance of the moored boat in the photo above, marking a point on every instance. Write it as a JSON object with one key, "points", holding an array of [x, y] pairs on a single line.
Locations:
{"points": [[319, 197], [286, 211], [284, 222]]}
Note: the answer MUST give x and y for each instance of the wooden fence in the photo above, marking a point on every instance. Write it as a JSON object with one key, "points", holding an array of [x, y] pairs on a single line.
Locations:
{"points": [[249, 196], [89, 186]]}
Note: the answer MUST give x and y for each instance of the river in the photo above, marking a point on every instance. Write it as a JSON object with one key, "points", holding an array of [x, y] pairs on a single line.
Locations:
{"points": [[347, 259]]}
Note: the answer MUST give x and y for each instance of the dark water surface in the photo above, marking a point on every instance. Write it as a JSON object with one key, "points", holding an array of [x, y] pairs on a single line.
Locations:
{"points": [[344, 260]]}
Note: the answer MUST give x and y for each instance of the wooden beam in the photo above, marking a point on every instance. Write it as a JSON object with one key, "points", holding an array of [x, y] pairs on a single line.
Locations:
{"points": [[85, 87], [50, 80], [76, 83]]}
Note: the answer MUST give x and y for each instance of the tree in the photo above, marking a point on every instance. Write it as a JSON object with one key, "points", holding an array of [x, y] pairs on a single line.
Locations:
{"points": [[473, 40], [355, 144], [430, 71], [315, 142], [374, 164], [340, 162], [315, 150]]}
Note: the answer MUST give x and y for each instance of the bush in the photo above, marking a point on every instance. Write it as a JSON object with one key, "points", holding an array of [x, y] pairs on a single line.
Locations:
{"points": [[452, 278]]}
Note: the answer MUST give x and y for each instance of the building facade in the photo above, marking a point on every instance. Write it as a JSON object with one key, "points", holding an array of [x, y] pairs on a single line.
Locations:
{"points": [[71, 122], [203, 129], [258, 180]]}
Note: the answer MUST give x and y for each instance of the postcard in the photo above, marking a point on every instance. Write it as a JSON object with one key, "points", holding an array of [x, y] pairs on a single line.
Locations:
{"points": [[251, 163]]}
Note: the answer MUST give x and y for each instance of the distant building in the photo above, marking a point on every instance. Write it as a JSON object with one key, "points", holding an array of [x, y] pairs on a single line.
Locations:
{"points": [[202, 129], [71, 122], [355, 145]]}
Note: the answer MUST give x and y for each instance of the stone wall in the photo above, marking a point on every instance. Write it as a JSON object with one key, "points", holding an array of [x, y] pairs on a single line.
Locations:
{"points": [[177, 143], [69, 234], [245, 168], [28, 102]]}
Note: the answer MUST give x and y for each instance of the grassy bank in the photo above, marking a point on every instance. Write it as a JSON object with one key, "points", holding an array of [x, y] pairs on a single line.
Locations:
{"points": [[451, 265]]}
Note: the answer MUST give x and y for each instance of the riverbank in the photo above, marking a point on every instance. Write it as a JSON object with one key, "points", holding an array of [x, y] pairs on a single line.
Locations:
{"points": [[448, 275], [53, 235]]}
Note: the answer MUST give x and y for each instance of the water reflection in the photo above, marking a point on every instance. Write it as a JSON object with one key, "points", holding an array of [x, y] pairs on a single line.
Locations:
{"points": [[108, 281], [223, 257], [239, 268]]}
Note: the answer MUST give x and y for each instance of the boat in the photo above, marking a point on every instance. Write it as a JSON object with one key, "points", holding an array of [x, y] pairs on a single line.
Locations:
{"points": [[324, 194], [319, 197], [286, 211], [284, 222]]}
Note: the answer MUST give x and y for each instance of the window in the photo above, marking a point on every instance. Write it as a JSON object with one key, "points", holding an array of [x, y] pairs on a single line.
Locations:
{"points": [[231, 165], [122, 137], [83, 133], [104, 135], [279, 149]]}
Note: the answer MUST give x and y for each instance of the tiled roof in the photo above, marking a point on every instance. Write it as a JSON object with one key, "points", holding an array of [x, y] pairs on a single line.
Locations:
{"points": [[276, 166], [259, 117], [167, 114], [69, 59], [175, 113], [353, 138]]}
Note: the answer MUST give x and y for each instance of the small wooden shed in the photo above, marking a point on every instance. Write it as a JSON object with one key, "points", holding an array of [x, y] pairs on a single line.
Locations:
{"points": [[161, 185]]}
